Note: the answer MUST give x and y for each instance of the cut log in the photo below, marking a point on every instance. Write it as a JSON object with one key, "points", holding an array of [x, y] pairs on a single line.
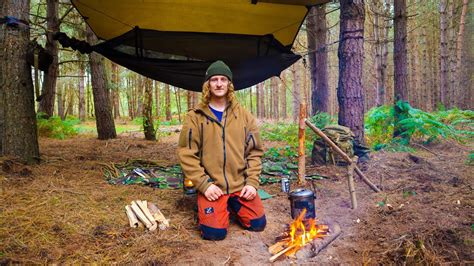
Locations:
{"points": [[132, 218], [140, 215], [158, 216], [312, 249], [144, 208]]}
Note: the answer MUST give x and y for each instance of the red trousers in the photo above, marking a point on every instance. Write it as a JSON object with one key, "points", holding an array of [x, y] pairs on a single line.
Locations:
{"points": [[214, 215]]}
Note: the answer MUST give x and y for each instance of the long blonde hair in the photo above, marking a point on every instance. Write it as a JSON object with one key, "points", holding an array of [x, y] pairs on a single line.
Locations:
{"points": [[206, 93]]}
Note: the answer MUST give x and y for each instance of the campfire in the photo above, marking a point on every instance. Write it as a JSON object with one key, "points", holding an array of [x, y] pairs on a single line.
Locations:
{"points": [[302, 233]]}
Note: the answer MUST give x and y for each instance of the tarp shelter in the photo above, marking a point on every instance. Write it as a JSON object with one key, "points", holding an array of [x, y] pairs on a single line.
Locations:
{"points": [[174, 41]]}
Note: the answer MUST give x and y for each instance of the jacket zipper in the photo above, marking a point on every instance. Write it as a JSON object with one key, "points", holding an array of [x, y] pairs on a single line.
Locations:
{"points": [[190, 137], [225, 157], [223, 141]]}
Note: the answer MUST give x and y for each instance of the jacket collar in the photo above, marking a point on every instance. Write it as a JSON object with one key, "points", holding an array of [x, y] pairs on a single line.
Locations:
{"points": [[230, 109]]}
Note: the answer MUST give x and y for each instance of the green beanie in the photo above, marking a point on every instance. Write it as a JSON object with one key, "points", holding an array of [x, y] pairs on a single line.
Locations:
{"points": [[218, 68]]}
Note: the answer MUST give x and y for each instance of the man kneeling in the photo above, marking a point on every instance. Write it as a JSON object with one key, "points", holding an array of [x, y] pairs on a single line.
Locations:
{"points": [[220, 152]]}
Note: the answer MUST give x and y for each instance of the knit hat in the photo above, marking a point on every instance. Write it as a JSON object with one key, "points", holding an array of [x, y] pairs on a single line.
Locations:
{"points": [[218, 68]]}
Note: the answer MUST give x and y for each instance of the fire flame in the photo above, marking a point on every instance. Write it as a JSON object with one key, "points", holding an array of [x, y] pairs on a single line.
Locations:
{"points": [[303, 232]]}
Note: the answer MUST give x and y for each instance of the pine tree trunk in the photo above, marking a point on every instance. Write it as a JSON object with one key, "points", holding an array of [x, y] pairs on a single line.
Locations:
{"points": [[260, 100], [60, 100], [115, 90], [250, 100], [157, 100], [131, 113], [400, 60], [387, 85], [70, 100], [103, 111], [275, 99], [90, 102], [297, 84], [139, 91], [459, 57], [283, 112], [424, 86], [148, 127], [351, 58], [167, 102], [452, 53], [82, 113], [443, 50], [318, 59], [178, 102], [18, 130], [379, 83], [49, 83]]}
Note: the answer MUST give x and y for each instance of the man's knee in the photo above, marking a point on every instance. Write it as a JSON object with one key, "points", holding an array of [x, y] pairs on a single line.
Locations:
{"points": [[258, 224], [210, 233]]}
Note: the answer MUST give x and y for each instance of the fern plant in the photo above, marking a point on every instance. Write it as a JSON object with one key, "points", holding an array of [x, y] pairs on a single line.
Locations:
{"points": [[54, 127], [447, 124]]}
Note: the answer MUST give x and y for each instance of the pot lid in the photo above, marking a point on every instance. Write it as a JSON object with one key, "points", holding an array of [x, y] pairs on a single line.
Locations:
{"points": [[301, 192]]}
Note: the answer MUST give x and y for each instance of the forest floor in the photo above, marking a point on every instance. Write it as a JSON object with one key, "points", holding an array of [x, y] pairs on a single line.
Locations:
{"points": [[64, 211]]}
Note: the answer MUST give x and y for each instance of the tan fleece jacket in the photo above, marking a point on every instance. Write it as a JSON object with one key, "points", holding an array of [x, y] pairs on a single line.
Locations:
{"points": [[227, 153]]}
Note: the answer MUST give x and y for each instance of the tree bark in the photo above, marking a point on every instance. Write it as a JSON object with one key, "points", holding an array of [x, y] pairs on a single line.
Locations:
{"points": [[115, 90], [459, 56], [400, 60], [316, 31], [178, 102], [297, 84], [60, 100], [379, 83], [275, 98], [49, 83], [283, 112], [260, 100], [157, 99], [351, 58], [103, 111], [17, 115], [82, 111], [443, 51], [387, 85], [148, 127], [167, 102], [452, 53]]}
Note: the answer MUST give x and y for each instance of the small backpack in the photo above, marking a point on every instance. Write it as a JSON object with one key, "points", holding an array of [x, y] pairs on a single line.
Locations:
{"points": [[342, 136]]}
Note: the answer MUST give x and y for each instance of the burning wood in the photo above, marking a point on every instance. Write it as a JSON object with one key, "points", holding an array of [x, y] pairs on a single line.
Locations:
{"points": [[301, 234]]}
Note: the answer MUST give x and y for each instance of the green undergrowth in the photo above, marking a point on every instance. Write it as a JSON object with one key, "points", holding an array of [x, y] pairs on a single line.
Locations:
{"points": [[288, 132], [416, 125], [54, 127]]}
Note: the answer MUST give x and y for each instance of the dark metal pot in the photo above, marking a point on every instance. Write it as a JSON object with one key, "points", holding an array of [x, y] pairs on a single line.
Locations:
{"points": [[301, 199]]}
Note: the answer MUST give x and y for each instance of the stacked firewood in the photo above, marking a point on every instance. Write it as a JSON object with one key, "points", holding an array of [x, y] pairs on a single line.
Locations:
{"points": [[146, 213]]}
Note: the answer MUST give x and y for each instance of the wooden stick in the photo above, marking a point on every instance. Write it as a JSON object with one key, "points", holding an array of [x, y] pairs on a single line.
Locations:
{"points": [[277, 247], [142, 217], [313, 249], [301, 147], [342, 154], [350, 181], [132, 218], [274, 257]]}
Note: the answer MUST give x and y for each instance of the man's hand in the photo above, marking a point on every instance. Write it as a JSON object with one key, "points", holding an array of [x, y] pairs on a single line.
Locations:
{"points": [[248, 192], [213, 192]]}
